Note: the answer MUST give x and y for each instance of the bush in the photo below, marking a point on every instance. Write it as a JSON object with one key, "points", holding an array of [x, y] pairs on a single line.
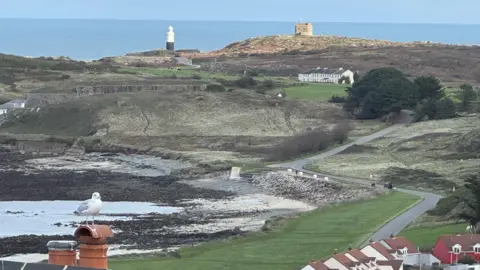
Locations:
{"points": [[214, 87], [252, 73], [246, 82], [337, 99], [196, 77], [308, 142], [268, 84]]}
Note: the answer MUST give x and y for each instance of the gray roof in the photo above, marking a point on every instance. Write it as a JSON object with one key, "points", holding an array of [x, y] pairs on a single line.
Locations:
{"points": [[320, 70]]}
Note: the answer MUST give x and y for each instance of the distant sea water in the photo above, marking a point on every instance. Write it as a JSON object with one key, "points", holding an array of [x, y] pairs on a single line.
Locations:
{"points": [[93, 39]]}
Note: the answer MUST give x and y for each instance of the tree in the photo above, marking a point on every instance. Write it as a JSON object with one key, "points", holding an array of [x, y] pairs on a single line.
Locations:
{"points": [[391, 96], [445, 109], [356, 77], [467, 95], [364, 95], [471, 211], [429, 87]]}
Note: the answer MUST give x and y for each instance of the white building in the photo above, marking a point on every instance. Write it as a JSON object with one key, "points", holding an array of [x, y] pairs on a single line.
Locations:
{"points": [[325, 75], [13, 104]]}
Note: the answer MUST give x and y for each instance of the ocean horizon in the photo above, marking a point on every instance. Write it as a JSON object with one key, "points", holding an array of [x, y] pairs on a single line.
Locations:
{"points": [[89, 39]]}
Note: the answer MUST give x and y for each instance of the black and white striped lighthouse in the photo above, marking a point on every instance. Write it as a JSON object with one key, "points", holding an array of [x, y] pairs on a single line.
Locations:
{"points": [[170, 39]]}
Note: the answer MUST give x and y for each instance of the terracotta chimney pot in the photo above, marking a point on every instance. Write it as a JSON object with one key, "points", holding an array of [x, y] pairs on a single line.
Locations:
{"points": [[93, 250], [62, 252]]}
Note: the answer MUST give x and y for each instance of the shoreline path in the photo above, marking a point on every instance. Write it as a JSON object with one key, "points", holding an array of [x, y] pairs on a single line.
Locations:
{"points": [[396, 225]]}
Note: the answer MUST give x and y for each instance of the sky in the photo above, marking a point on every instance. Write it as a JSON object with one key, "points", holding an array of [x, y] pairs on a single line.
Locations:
{"points": [[385, 11]]}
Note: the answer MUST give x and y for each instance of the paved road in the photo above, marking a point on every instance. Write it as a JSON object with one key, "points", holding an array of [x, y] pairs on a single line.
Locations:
{"points": [[394, 226]]}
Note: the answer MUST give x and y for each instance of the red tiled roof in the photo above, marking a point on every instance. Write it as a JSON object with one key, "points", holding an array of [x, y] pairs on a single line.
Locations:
{"points": [[395, 264], [467, 241], [343, 259], [400, 242], [382, 250], [319, 265], [359, 255]]}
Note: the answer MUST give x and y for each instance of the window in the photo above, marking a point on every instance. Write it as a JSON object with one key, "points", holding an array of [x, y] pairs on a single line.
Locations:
{"points": [[457, 249], [476, 248]]}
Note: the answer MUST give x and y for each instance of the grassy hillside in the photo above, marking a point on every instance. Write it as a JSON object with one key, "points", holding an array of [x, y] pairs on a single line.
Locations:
{"points": [[433, 155]]}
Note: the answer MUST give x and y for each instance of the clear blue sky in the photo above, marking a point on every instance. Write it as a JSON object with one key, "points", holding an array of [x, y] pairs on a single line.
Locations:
{"points": [[405, 11]]}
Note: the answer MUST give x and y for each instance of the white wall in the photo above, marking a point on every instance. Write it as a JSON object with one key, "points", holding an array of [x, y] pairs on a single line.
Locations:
{"points": [[385, 267], [420, 258], [371, 252], [308, 267], [334, 264], [319, 77], [3, 111]]}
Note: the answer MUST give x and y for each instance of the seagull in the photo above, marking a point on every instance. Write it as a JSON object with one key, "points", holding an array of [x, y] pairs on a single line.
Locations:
{"points": [[90, 207]]}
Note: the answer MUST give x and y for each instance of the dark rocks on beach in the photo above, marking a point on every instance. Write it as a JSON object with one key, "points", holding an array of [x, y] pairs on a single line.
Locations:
{"points": [[155, 232], [152, 232]]}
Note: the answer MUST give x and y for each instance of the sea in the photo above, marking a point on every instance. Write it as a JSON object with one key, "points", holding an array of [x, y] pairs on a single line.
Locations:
{"points": [[93, 39]]}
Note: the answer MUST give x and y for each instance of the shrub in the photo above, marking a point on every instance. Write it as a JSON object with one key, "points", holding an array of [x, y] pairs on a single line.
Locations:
{"points": [[196, 77], [307, 142], [337, 99], [214, 87], [252, 73], [268, 84], [246, 82]]}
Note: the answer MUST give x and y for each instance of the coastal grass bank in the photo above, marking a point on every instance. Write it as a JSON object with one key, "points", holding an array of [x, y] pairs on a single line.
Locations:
{"points": [[313, 235]]}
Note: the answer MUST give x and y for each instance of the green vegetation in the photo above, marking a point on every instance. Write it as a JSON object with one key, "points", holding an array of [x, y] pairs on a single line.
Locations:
{"points": [[426, 236], [319, 91], [312, 235]]}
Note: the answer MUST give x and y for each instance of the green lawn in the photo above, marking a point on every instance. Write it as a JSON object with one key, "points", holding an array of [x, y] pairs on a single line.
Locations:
{"points": [[425, 236], [312, 235], [317, 91]]}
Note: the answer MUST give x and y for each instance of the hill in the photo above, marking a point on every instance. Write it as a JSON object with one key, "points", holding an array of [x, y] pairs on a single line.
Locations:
{"points": [[289, 55]]}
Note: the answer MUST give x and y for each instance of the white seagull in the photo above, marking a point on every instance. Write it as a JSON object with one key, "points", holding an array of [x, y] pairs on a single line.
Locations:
{"points": [[90, 207]]}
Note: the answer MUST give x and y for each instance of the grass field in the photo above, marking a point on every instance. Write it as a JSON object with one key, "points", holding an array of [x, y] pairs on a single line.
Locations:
{"points": [[425, 236], [312, 235], [316, 91]]}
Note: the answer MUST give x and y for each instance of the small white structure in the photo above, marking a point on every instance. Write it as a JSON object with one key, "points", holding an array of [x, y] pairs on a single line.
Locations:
{"points": [[290, 170], [13, 104], [300, 173], [235, 173], [325, 75], [314, 176]]}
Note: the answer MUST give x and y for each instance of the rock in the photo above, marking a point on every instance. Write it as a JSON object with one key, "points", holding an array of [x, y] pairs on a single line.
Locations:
{"points": [[316, 191]]}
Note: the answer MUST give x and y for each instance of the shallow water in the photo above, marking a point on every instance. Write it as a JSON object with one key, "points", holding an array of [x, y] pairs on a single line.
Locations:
{"points": [[23, 217], [141, 165]]}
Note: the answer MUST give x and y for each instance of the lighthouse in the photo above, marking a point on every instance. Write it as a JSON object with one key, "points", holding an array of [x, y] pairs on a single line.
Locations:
{"points": [[170, 39]]}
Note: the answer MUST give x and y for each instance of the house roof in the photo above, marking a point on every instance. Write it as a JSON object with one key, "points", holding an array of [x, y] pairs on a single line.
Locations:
{"points": [[320, 70], [360, 256], [343, 259], [395, 264], [400, 242], [383, 250], [466, 241], [319, 265]]}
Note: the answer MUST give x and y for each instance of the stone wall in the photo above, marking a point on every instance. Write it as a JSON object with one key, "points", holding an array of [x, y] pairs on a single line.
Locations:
{"points": [[40, 147], [44, 99]]}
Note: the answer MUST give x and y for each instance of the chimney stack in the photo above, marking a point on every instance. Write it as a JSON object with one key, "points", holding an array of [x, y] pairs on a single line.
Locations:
{"points": [[335, 251], [62, 253], [392, 236], [371, 240], [93, 247], [350, 247]]}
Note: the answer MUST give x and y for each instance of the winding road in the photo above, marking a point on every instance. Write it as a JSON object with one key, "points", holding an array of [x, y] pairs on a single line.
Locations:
{"points": [[396, 225]]}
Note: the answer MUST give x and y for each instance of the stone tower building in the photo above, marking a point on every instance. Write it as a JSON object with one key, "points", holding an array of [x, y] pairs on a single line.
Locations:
{"points": [[304, 29]]}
